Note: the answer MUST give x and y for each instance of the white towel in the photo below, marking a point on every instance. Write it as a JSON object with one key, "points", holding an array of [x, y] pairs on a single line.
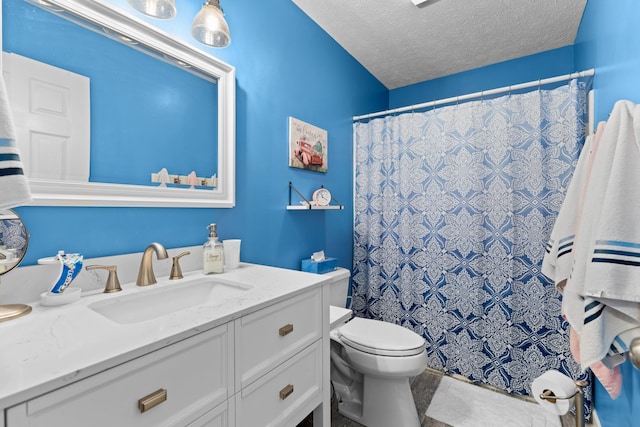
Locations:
{"points": [[598, 299], [572, 300], [14, 189], [557, 261], [614, 270]]}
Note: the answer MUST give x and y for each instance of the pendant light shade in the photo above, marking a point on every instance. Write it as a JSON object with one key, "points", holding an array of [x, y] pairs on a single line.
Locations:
{"points": [[209, 26], [160, 9]]}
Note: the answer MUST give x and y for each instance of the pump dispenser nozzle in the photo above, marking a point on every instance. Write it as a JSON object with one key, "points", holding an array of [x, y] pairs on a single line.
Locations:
{"points": [[212, 230]]}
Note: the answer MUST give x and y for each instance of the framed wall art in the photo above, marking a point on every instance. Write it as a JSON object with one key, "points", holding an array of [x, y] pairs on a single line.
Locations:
{"points": [[308, 146]]}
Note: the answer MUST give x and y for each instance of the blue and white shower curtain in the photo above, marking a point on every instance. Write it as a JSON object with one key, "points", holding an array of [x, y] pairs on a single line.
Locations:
{"points": [[453, 208]]}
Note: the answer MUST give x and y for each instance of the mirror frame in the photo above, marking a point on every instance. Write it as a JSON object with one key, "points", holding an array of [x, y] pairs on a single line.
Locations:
{"points": [[117, 24]]}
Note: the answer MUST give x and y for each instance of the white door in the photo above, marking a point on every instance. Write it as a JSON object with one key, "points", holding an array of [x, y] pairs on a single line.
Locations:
{"points": [[51, 112]]}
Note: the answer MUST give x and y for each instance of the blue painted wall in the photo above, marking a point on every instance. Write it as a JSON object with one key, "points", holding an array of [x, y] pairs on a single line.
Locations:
{"points": [[286, 66], [521, 70], [608, 41]]}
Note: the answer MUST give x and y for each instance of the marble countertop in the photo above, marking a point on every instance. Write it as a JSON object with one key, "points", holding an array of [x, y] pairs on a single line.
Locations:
{"points": [[54, 346]]}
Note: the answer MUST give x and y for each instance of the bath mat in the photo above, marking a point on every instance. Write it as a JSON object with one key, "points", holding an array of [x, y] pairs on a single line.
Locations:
{"points": [[460, 404]]}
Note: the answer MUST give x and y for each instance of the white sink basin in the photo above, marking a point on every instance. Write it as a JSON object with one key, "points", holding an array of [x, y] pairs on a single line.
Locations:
{"points": [[147, 304]]}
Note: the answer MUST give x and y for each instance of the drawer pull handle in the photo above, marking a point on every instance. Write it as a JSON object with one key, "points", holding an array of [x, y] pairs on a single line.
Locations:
{"points": [[285, 392], [151, 400], [286, 329]]}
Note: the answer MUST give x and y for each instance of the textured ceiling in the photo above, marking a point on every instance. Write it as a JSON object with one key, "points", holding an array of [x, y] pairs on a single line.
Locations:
{"points": [[401, 44]]}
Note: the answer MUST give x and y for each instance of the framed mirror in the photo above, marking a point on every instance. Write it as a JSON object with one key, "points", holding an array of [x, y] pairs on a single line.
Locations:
{"points": [[117, 177]]}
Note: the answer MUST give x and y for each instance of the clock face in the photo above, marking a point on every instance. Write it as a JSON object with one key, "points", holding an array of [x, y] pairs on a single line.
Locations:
{"points": [[322, 197]]}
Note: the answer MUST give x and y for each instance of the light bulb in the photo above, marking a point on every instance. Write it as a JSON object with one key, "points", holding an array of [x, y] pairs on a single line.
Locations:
{"points": [[160, 9], [209, 26]]}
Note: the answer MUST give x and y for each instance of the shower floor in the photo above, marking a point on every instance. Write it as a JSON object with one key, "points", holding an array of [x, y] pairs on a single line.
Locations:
{"points": [[424, 387]]}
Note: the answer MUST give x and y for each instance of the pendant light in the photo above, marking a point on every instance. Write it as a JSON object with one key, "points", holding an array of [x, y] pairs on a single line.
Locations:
{"points": [[209, 26], [160, 9]]}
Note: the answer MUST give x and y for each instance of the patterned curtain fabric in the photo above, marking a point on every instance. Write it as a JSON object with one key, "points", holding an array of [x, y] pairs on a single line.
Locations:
{"points": [[453, 208]]}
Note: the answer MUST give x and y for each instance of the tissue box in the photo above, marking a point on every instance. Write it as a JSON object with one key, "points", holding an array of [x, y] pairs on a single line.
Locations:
{"points": [[319, 267]]}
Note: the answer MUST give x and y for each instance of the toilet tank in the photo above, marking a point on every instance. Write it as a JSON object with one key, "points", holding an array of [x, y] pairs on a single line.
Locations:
{"points": [[339, 286]]}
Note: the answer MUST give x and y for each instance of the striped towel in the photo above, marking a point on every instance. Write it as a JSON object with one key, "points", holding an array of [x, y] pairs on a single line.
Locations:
{"points": [[558, 258], [14, 189], [609, 376], [557, 261], [603, 298]]}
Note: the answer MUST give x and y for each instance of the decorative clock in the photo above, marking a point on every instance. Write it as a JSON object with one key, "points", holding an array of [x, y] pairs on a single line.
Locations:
{"points": [[321, 197]]}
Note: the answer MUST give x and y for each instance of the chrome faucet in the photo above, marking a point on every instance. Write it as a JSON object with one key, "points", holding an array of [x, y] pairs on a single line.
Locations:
{"points": [[145, 274]]}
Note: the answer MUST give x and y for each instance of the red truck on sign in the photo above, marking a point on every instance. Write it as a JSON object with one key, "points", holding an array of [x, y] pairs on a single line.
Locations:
{"points": [[308, 154]]}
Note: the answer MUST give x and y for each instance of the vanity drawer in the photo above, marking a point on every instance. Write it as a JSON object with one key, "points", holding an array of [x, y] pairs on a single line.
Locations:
{"points": [[285, 395], [270, 336], [188, 378], [222, 416]]}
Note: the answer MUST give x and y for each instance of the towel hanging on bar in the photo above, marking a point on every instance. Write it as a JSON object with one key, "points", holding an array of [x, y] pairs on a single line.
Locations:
{"points": [[14, 188]]}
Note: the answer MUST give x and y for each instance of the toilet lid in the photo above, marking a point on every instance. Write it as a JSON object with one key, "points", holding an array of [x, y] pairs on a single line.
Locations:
{"points": [[382, 338]]}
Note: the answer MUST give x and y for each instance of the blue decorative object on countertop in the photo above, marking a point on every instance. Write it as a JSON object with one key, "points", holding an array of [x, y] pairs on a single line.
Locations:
{"points": [[70, 266]]}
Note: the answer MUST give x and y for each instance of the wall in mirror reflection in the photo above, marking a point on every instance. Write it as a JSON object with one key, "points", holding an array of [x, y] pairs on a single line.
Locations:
{"points": [[145, 114]]}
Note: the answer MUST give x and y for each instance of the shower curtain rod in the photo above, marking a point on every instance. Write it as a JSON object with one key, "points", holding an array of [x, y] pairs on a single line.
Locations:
{"points": [[586, 73]]}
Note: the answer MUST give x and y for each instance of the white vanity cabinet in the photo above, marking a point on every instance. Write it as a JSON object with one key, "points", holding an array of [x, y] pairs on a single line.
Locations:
{"points": [[279, 362], [173, 386], [265, 368]]}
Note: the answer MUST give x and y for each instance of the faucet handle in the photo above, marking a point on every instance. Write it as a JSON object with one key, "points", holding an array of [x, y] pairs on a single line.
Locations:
{"points": [[113, 284], [176, 271]]}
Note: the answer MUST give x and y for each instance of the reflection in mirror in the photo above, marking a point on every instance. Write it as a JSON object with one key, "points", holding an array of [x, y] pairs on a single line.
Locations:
{"points": [[13, 246], [146, 113], [13, 240]]}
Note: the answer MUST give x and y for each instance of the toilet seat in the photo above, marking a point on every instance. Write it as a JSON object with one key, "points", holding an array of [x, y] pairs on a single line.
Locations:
{"points": [[381, 338]]}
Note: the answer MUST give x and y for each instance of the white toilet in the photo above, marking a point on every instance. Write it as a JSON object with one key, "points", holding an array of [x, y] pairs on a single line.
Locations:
{"points": [[371, 364]]}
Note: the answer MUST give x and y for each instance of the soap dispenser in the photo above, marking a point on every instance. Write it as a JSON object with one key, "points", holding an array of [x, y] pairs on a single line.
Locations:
{"points": [[213, 253]]}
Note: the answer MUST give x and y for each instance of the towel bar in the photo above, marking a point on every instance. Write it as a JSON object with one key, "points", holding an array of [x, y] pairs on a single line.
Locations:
{"points": [[634, 352]]}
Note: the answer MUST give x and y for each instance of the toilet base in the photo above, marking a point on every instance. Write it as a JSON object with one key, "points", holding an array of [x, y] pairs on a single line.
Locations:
{"points": [[386, 402]]}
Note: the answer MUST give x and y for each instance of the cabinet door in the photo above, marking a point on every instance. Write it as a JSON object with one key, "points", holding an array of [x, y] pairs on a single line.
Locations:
{"points": [[270, 336], [284, 396], [169, 387]]}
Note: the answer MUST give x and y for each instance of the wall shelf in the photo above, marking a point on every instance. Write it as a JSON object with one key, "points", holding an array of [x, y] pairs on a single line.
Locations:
{"points": [[314, 208], [306, 205]]}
